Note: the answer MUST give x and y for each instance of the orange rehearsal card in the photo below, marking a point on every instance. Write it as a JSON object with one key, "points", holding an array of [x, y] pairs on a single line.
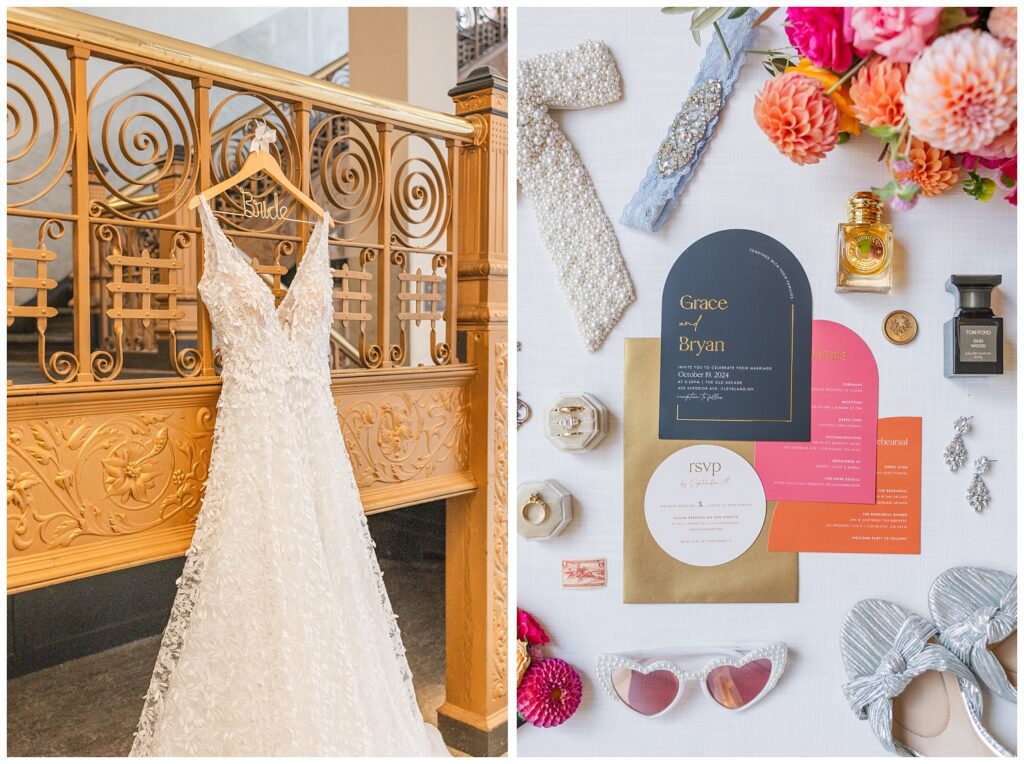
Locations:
{"points": [[892, 525]]}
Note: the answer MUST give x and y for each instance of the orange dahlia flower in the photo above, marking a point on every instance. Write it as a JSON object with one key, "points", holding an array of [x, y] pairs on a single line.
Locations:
{"points": [[797, 116], [934, 170], [848, 122], [877, 92]]}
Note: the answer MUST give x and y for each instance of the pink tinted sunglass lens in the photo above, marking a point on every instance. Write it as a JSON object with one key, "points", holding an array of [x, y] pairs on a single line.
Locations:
{"points": [[735, 686], [647, 694]]}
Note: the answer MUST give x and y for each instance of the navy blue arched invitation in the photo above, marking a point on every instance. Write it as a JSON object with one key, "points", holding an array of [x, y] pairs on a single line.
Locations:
{"points": [[736, 342]]}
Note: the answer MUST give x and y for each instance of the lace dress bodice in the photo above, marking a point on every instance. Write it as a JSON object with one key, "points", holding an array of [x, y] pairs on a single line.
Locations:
{"points": [[258, 338]]}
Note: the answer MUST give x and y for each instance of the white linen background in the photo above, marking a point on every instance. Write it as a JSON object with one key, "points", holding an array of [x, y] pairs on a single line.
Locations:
{"points": [[743, 182]]}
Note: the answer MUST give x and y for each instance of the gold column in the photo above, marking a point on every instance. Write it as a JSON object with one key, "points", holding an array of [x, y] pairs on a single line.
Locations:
{"points": [[81, 250], [474, 715], [204, 146]]}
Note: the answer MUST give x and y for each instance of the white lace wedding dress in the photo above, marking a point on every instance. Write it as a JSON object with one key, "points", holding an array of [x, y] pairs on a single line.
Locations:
{"points": [[281, 640]]}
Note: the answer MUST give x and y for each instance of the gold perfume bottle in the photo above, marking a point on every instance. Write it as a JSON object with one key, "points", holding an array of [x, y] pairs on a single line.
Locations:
{"points": [[865, 247]]}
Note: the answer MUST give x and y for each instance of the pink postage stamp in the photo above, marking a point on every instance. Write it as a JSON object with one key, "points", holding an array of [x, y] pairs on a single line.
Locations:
{"points": [[583, 574]]}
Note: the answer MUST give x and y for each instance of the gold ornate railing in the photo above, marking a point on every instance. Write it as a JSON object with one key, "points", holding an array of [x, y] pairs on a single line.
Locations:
{"points": [[111, 130]]}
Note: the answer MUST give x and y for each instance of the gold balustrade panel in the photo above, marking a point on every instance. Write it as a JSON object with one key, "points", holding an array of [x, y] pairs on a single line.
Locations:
{"points": [[112, 130]]}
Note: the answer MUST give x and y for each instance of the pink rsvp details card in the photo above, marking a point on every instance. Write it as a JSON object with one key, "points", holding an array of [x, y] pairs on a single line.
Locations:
{"points": [[838, 465]]}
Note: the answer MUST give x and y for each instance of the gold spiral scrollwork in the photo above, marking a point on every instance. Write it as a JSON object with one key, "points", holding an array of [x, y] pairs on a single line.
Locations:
{"points": [[421, 202], [106, 364], [229, 153], [138, 149], [33, 161], [397, 353], [188, 361], [350, 172], [62, 366], [371, 354], [440, 352]]}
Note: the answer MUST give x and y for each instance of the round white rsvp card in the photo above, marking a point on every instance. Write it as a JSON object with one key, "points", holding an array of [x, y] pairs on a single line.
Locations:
{"points": [[705, 505]]}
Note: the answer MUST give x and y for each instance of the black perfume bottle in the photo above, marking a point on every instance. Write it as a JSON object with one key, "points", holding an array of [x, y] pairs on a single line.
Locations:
{"points": [[973, 338]]}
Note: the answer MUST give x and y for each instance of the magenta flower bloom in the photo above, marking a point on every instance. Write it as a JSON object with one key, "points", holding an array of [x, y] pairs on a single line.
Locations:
{"points": [[528, 630], [973, 161], [1007, 179], [899, 34], [821, 35], [549, 693]]}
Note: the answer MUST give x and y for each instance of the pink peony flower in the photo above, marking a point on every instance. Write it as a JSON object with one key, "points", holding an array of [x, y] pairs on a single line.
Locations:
{"points": [[961, 92], [820, 35], [898, 34], [797, 116], [529, 630], [549, 693], [1002, 22]]}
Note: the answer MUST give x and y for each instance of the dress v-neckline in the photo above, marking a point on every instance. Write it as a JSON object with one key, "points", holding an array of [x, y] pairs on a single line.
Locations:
{"points": [[241, 258]]}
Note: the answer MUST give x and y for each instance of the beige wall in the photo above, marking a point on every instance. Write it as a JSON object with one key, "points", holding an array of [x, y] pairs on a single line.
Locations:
{"points": [[409, 54], [404, 53]]}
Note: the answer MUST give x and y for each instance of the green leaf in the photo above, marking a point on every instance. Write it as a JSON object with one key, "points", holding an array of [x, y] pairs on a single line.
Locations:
{"points": [[885, 192], [952, 18], [721, 39], [706, 17], [737, 12], [844, 137], [885, 132], [696, 35], [1007, 180], [908, 192], [781, 64], [678, 11]]}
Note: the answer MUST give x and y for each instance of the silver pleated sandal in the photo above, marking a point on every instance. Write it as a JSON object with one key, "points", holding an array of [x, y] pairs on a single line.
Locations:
{"points": [[975, 610], [918, 697]]}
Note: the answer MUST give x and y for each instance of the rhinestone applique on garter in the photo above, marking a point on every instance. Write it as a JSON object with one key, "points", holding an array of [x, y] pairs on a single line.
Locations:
{"points": [[689, 127]]}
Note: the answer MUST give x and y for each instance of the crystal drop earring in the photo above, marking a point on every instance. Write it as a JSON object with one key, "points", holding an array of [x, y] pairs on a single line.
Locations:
{"points": [[955, 454], [978, 495]]}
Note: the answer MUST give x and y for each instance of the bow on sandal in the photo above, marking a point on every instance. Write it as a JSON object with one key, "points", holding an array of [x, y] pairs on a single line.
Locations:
{"points": [[975, 610], [918, 697]]}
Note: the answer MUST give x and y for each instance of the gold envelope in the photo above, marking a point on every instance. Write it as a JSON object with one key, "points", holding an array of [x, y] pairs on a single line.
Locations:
{"points": [[650, 574]]}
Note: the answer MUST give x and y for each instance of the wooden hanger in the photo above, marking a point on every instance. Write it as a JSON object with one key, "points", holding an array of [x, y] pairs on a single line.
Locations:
{"points": [[259, 159]]}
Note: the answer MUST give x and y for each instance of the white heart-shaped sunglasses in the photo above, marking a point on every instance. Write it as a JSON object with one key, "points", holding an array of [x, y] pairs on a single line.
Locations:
{"points": [[651, 682]]}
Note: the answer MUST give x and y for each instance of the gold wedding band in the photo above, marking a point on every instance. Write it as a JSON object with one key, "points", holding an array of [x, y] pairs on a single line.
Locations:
{"points": [[537, 501]]}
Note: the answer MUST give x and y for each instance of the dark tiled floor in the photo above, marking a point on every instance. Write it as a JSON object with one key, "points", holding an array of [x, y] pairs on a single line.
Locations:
{"points": [[90, 706]]}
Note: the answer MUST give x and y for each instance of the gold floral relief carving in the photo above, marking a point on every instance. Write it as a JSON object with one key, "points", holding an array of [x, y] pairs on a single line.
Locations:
{"points": [[499, 605], [402, 436], [87, 476]]}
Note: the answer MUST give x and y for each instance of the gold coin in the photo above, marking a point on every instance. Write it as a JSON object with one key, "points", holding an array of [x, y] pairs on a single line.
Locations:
{"points": [[900, 327]]}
